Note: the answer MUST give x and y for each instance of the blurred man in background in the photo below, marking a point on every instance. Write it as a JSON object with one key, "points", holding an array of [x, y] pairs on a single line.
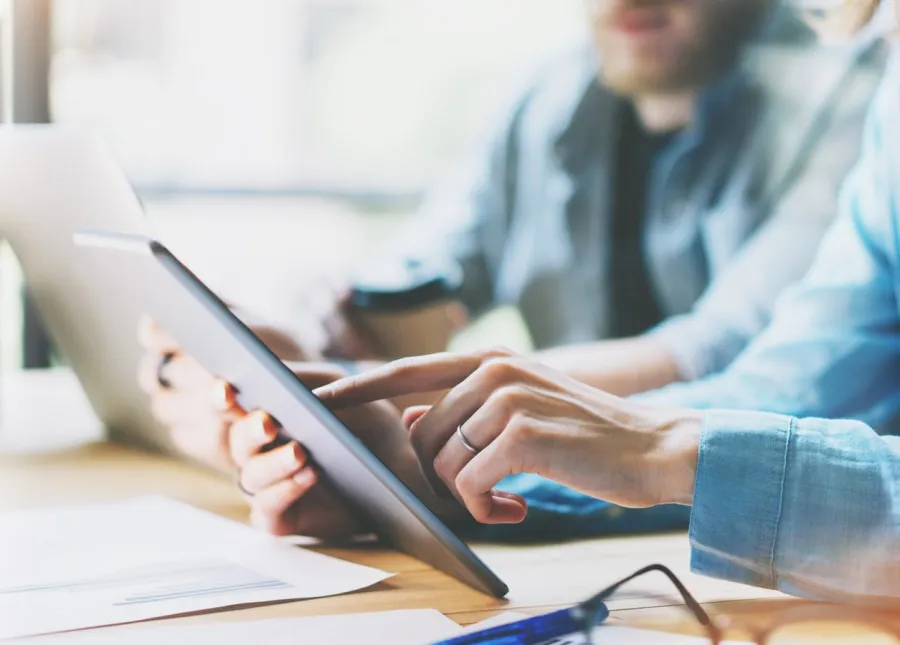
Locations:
{"points": [[641, 203]]}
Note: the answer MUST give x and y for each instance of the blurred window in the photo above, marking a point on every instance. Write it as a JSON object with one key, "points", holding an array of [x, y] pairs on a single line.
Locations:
{"points": [[284, 94]]}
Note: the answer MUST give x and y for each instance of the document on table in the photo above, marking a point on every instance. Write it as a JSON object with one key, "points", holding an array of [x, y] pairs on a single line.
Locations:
{"points": [[72, 568], [412, 627], [405, 627]]}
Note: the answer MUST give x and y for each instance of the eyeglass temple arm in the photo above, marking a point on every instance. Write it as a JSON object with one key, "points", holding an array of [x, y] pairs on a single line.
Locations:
{"points": [[592, 603]]}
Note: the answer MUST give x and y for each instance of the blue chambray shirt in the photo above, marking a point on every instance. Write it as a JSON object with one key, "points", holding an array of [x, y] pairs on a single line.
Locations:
{"points": [[785, 498]]}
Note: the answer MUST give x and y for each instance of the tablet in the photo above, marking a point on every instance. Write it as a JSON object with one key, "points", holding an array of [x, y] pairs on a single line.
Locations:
{"points": [[142, 268]]}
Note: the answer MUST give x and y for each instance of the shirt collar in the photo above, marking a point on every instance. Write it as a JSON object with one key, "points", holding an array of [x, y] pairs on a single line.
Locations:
{"points": [[585, 119]]}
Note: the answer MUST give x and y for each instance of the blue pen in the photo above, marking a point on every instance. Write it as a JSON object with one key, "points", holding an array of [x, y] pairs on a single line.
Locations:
{"points": [[563, 627], [573, 626]]}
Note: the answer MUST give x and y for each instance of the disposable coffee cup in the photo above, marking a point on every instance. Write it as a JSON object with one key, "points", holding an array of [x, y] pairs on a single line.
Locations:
{"points": [[403, 310]]}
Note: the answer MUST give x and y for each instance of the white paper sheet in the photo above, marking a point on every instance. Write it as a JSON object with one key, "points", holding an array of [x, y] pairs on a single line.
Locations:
{"points": [[71, 568], [413, 627], [45, 410]]}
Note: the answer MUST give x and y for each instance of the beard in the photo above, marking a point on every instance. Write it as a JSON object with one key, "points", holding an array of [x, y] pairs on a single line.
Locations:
{"points": [[718, 33]]}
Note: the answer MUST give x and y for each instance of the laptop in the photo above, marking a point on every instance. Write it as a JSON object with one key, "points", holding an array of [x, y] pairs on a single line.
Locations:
{"points": [[53, 180]]}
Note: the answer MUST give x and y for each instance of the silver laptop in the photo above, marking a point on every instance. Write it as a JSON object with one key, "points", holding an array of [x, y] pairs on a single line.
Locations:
{"points": [[54, 180]]}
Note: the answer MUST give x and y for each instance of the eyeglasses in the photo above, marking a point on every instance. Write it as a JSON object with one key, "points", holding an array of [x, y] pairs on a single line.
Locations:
{"points": [[806, 625]]}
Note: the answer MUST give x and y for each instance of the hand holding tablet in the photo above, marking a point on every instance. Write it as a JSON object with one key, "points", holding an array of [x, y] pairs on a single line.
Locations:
{"points": [[207, 330]]}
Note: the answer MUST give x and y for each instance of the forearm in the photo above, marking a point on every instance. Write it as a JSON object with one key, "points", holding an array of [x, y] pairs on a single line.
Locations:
{"points": [[621, 367]]}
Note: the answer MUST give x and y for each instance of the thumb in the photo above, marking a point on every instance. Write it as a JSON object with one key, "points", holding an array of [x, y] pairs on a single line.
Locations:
{"points": [[343, 295], [413, 414]]}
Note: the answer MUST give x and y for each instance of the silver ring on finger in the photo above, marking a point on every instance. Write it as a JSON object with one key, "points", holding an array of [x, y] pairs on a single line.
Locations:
{"points": [[240, 486], [465, 442], [164, 360]]}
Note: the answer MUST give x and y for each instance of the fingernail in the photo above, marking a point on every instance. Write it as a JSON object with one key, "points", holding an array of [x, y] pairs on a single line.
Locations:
{"points": [[264, 430], [224, 396], [306, 477], [329, 389], [299, 454], [292, 457]]}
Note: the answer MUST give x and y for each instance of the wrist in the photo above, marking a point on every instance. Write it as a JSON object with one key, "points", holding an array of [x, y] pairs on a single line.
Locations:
{"points": [[678, 453]]}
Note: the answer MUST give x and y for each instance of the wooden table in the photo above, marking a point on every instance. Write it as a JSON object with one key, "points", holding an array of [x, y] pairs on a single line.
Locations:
{"points": [[541, 577]]}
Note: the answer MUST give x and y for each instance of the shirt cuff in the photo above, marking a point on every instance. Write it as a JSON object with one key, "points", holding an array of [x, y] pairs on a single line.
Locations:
{"points": [[738, 495], [700, 345], [690, 353]]}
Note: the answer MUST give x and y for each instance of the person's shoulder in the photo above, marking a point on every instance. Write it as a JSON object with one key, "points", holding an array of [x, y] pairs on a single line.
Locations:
{"points": [[546, 90], [815, 96], [559, 71], [795, 70], [566, 73]]}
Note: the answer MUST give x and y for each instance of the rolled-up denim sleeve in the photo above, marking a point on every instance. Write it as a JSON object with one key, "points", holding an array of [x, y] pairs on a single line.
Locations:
{"points": [[807, 506]]}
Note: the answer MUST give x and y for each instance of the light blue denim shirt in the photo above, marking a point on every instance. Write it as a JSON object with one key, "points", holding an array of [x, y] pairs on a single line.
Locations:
{"points": [[782, 498]]}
